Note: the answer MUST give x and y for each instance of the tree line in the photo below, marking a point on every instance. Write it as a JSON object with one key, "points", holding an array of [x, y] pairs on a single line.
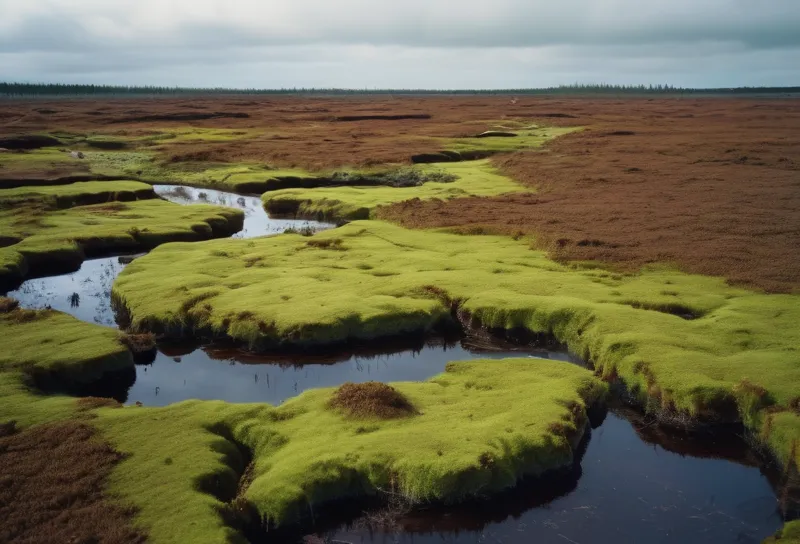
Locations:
{"points": [[10, 90]]}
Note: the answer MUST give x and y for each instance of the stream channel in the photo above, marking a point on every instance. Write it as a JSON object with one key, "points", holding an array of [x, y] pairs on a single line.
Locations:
{"points": [[636, 482]]}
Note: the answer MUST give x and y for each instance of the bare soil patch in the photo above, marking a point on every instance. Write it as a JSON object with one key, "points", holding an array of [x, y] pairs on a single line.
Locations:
{"points": [[51, 487]]}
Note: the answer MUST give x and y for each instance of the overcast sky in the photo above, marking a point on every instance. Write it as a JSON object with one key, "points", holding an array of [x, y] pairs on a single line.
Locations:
{"points": [[402, 43]]}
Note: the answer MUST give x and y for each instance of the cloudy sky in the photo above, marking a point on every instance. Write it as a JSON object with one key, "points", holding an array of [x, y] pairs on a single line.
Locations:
{"points": [[401, 43]]}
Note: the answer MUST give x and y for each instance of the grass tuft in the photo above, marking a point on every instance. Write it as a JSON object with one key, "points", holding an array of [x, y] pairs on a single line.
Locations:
{"points": [[371, 400]]}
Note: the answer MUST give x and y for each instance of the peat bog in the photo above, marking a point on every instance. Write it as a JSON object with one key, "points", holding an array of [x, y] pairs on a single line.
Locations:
{"points": [[549, 364]]}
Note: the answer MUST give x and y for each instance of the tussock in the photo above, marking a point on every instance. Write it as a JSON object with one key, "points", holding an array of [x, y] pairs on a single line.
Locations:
{"points": [[371, 399]]}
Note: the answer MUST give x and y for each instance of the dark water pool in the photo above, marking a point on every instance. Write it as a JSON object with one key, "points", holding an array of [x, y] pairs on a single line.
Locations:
{"points": [[627, 489], [636, 482]]}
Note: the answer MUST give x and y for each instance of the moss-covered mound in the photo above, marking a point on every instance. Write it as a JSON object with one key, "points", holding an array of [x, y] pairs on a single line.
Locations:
{"points": [[51, 228], [731, 354], [45, 346], [473, 178], [371, 400], [478, 428]]}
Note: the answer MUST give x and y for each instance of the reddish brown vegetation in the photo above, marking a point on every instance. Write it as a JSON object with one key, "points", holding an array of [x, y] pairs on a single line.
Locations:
{"points": [[51, 487], [710, 185], [371, 399]]}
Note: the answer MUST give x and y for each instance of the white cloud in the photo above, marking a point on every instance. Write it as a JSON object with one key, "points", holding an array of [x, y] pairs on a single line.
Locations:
{"points": [[413, 43]]}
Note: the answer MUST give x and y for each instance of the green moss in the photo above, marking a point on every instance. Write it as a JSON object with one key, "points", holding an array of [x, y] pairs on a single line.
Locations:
{"points": [[38, 164], [789, 534], [475, 178], [703, 367], [463, 441], [53, 346], [528, 136], [74, 194], [183, 461], [40, 236]]}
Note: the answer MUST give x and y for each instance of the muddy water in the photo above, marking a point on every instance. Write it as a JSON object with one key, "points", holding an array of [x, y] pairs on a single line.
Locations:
{"points": [[634, 483]]}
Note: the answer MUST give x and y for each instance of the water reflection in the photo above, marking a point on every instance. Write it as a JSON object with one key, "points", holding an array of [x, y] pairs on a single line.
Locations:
{"points": [[86, 293], [625, 490], [256, 220], [181, 372]]}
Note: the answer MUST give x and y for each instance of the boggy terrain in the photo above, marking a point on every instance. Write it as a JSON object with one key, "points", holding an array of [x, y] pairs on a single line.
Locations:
{"points": [[653, 237]]}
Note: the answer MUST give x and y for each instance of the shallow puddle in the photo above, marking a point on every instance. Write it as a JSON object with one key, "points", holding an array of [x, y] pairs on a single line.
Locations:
{"points": [[256, 220]]}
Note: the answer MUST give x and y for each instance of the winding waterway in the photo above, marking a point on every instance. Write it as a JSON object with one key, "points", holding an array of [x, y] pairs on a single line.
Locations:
{"points": [[635, 482]]}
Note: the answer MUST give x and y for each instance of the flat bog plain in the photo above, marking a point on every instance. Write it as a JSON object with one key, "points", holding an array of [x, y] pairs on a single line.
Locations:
{"points": [[382, 318]]}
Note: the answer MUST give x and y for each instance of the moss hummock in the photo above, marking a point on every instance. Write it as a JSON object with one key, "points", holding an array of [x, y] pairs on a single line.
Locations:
{"points": [[729, 355], [474, 178], [480, 427], [39, 235]]}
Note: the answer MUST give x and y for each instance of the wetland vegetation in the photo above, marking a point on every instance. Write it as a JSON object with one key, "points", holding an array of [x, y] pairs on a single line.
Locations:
{"points": [[422, 250]]}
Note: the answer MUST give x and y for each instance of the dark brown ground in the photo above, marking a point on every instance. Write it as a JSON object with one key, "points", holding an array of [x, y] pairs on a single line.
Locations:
{"points": [[710, 185], [51, 488]]}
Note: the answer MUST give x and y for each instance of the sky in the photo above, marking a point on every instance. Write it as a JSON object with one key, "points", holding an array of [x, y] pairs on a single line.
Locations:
{"points": [[368, 44]]}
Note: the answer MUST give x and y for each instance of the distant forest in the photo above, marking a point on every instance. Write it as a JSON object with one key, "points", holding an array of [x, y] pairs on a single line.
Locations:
{"points": [[11, 90]]}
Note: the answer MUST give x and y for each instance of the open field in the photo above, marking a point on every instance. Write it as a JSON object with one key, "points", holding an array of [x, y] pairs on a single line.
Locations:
{"points": [[656, 238], [709, 185]]}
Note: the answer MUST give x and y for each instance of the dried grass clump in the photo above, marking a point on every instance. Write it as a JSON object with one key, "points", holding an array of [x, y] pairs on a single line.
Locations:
{"points": [[371, 399], [54, 477], [139, 343], [91, 403], [8, 304]]}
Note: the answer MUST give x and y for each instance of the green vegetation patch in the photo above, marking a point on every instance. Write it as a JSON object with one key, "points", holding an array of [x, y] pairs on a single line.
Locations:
{"points": [[473, 178], [38, 235], [475, 429], [527, 136], [75, 194], [36, 166], [731, 354], [53, 347], [480, 427]]}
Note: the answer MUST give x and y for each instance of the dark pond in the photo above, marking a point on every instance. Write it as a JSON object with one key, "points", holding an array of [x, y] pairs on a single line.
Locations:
{"points": [[630, 487], [635, 483]]}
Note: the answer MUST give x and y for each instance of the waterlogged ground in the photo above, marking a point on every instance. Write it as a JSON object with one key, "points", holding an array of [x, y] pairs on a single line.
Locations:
{"points": [[256, 220], [626, 490], [633, 485], [635, 482], [86, 292]]}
